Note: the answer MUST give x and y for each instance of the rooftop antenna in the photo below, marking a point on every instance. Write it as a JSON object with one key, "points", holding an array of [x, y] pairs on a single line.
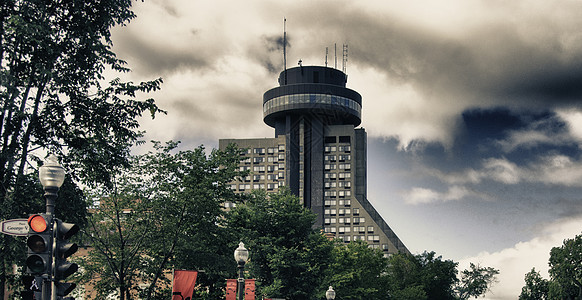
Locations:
{"points": [[285, 48], [345, 58], [335, 54], [326, 57]]}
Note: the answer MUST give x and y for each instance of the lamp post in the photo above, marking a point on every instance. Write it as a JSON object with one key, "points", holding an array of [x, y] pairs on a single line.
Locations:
{"points": [[52, 176], [241, 255], [330, 293]]}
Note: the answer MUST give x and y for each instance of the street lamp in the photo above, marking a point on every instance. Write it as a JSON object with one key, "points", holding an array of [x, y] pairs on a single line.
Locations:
{"points": [[241, 255], [52, 176], [330, 293]]}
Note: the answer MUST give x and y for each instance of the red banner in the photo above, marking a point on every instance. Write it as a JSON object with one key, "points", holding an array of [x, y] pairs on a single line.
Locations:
{"points": [[231, 289], [250, 289], [183, 285]]}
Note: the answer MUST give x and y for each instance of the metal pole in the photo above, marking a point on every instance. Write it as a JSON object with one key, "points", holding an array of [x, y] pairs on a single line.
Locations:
{"points": [[241, 281]]}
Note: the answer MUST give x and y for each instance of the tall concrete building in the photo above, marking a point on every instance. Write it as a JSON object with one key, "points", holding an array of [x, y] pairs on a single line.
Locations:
{"points": [[318, 153]]}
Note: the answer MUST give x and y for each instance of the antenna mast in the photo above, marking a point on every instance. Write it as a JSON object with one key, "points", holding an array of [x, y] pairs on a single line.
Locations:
{"points": [[285, 48], [345, 58], [326, 57], [335, 55]]}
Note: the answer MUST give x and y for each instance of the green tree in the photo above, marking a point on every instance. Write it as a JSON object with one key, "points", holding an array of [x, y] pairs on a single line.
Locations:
{"points": [[164, 212], [428, 276], [54, 97], [475, 282], [535, 288], [357, 272], [565, 270], [287, 255]]}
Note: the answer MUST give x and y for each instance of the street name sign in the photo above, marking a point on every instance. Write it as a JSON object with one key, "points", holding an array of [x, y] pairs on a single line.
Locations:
{"points": [[15, 227]]}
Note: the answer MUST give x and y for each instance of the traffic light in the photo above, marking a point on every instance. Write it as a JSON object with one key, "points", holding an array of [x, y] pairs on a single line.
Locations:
{"points": [[63, 249], [39, 244]]}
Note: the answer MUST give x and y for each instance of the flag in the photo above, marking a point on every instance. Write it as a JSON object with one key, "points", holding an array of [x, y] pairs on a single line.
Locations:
{"points": [[250, 289], [230, 289], [184, 282]]}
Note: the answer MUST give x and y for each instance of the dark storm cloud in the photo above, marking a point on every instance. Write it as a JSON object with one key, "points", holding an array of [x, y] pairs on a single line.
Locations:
{"points": [[488, 64], [268, 52], [149, 57]]}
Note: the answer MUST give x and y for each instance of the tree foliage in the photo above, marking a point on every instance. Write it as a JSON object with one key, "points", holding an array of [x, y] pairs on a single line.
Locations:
{"points": [[566, 269], [476, 281], [163, 213], [54, 97], [536, 287], [287, 256], [565, 274]]}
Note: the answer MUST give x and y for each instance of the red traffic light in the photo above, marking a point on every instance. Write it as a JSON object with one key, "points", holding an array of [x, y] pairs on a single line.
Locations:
{"points": [[37, 223]]}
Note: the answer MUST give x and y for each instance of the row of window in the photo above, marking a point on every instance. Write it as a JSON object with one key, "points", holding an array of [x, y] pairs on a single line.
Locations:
{"points": [[346, 166], [269, 150], [342, 157], [340, 184], [341, 230], [256, 186], [261, 159], [262, 169], [262, 177], [340, 175], [345, 148], [341, 194], [280, 102], [345, 202]]}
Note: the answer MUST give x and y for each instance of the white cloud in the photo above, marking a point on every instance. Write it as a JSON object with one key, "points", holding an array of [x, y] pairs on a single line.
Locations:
{"points": [[573, 118], [423, 195], [513, 263]]}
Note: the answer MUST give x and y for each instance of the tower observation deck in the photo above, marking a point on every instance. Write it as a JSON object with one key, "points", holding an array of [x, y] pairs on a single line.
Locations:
{"points": [[312, 92]]}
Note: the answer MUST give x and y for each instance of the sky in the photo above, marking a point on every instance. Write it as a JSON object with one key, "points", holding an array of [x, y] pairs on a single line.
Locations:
{"points": [[472, 108]]}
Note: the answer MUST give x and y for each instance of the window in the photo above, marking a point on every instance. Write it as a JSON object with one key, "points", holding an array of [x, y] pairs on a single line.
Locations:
{"points": [[341, 212], [344, 148], [247, 160], [345, 157], [330, 184], [332, 194], [345, 202], [330, 149], [243, 168], [330, 211], [272, 168], [281, 157], [345, 166], [271, 150], [330, 202], [259, 151], [272, 186], [272, 159], [330, 167], [281, 148], [281, 166], [259, 168], [329, 158], [331, 175], [272, 177], [370, 229], [345, 184], [258, 160], [356, 211]]}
